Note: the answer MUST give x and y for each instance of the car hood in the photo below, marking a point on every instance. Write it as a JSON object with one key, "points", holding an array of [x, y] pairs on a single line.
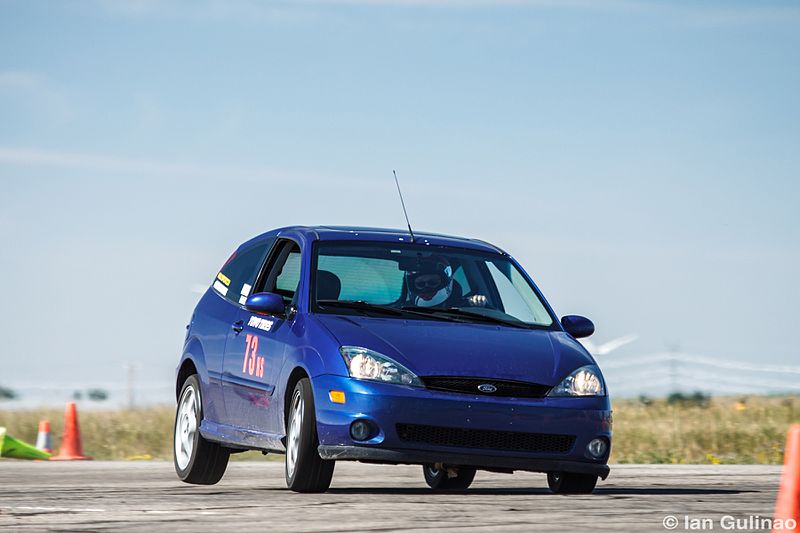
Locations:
{"points": [[435, 348]]}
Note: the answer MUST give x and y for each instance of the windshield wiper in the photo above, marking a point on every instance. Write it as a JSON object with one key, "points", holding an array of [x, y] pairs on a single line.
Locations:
{"points": [[361, 305], [460, 313]]}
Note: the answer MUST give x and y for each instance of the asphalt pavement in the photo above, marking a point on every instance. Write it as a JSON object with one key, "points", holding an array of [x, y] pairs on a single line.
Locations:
{"points": [[147, 496]]}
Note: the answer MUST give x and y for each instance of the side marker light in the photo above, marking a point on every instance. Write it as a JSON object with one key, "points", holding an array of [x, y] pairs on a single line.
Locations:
{"points": [[336, 396]]}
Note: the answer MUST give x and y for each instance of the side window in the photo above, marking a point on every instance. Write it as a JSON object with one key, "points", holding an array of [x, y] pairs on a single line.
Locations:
{"points": [[283, 274], [235, 279], [287, 280], [518, 298], [461, 278]]}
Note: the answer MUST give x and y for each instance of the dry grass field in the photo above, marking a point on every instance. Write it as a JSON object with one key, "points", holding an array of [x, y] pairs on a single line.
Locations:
{"points": [[742, 430], [739, 430]]}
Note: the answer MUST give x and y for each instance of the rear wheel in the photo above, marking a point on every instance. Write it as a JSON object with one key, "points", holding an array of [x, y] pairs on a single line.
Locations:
{"points": [[196, 459], [306, 471], [570, 483], [440, 477]]}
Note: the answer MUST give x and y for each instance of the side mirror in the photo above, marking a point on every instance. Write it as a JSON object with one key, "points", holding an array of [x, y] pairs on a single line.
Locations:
{"points": [[577, 326], [267, 303]]}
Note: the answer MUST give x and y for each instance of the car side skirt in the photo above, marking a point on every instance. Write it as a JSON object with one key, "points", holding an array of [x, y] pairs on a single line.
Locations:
{"points": [[239, 438]]}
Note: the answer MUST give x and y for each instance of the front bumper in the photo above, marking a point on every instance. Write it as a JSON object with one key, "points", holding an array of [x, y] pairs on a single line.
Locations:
{"points": [[487, 462], [386, 406]]}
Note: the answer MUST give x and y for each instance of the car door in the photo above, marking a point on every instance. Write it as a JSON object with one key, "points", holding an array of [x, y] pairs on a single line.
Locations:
{"points": [[256, 345], [221, 305], [215, 313]]}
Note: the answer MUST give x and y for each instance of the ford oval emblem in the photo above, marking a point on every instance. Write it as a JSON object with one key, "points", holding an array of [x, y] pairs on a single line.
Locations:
{"points": [[487, 388]]}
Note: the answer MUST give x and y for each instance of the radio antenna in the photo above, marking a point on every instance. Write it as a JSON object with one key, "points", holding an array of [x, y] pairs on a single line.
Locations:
{"points": [[403, 204]]}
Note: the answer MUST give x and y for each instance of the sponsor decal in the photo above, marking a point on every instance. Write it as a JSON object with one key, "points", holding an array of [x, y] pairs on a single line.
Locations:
{"points": [[244, 293], [220, 288], [260, 323]]}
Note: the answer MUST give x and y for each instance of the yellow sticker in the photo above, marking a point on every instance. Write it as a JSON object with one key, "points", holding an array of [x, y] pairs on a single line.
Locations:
{"points": [[224, 279]]}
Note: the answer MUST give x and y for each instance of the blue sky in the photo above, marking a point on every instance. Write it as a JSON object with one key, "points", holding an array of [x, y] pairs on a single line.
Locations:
{"points": [[639, 158]]}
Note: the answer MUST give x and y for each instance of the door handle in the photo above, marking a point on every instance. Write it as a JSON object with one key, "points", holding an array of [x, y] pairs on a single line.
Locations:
{"points": [[238, 326]]}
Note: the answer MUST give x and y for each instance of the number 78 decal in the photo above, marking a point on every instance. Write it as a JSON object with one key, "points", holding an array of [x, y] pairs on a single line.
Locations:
{"points": [[253, 364]]}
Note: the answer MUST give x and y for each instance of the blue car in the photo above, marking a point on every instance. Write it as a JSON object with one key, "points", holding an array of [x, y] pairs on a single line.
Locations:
{"points": [[340, 343]]}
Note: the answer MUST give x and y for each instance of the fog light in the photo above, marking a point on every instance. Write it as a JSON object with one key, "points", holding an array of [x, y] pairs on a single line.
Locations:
{"points": [[597, 448], [361, 430]]}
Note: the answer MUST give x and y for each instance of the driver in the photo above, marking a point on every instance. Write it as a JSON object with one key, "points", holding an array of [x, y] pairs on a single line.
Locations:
{"points": [[431, 282]]}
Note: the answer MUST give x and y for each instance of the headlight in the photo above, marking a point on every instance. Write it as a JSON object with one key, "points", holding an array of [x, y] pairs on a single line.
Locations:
{"points": [[585, 381], [366, 364]]}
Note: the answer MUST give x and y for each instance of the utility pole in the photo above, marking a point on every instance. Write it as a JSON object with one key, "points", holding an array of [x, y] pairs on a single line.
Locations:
{"points": [[673, 366], [677, 437], [131, 398], [673, 374]]}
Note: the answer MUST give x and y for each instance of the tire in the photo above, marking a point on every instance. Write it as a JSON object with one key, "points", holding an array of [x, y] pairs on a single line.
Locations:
{"points": [[569, 483], [438, 478], [197, 460], [305, 470]]}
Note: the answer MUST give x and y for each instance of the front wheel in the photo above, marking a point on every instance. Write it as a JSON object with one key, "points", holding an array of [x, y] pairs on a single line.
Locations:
{"points": [[440, 477], [570, 483], [197, 460], [306, 471]]}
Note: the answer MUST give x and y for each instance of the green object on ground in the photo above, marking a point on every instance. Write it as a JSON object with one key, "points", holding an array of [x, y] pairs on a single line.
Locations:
{"points": [[16, 449]]}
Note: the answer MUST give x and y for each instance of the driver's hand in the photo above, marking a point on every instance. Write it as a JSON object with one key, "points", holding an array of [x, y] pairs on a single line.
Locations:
{"points": [[477, 300]]}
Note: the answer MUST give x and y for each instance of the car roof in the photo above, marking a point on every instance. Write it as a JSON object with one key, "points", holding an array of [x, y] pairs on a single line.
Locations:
{"points": [[357, 233]]}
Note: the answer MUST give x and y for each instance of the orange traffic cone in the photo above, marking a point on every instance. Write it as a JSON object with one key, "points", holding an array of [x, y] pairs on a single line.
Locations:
{"points": [[787, 506], [71, 449], [43, 440]]}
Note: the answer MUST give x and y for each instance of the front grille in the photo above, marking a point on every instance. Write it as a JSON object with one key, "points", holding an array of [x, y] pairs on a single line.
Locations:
{"points": [[504, 388], [486, 439]]}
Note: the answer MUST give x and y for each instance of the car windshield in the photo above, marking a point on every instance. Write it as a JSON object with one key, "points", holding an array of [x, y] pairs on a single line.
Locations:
{"points": [[397, 280]]}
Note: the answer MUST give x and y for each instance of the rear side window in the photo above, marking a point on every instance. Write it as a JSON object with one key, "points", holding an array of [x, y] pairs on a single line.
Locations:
{"points": [[235, 280]]}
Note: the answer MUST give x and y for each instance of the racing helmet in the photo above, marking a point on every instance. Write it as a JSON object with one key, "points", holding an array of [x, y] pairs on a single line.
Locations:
{"points": [[430, 283]]}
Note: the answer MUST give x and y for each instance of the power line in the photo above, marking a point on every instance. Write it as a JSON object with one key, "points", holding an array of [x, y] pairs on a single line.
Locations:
{"points": [[700, 360]]}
